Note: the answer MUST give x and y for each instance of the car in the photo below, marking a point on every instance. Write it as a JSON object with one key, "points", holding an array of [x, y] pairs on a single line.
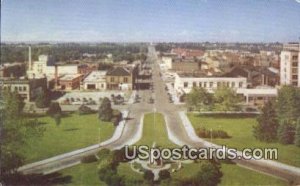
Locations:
{"points": [[151, 100], [77, 103]]}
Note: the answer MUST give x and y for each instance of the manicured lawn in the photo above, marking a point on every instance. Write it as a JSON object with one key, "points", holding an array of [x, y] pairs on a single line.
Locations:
{"points": [[74, 132], [155, 131], [235, 175], [232, 175], [83, 174], [242, 137], [86, 174]]}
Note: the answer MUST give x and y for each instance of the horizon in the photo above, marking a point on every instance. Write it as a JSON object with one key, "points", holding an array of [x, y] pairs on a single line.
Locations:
{"points": [[191, 21]]}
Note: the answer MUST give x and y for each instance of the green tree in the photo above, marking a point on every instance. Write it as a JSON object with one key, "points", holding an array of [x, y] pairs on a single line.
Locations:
{"points": [[297, 135], [148, 175], [164, 174], [42, 100], [209, 174], [226, 99], [286, 132], [288, 103], [15, 132], [55, 112], [105, 112], [200, 99], [267, 124], [54, 109]]}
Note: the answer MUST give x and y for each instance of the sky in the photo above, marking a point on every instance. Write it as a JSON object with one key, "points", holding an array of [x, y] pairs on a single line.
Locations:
{"points": [[150, 20]]}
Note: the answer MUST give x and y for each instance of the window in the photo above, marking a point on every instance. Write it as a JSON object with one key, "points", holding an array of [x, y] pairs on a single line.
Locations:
{"points": [[240, 84], [294, 70], [200, 84], [211, 84], [205, 84], [194, 84], [185, 84], [295, 64], [232, 84], [24, 88], [295, 83], [20, 88], [294, 57], [16, 88], [125, 79], [295, 77], [218, 84]]}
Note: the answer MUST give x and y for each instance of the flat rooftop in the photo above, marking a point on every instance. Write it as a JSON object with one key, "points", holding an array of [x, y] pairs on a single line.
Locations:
{"points": [[69, 77]]}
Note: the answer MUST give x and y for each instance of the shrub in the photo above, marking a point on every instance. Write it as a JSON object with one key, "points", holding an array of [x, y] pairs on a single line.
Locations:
{"points": [[286, 133], [204, 133], [89, 159], [84, 110], [164, 174], [148, 175]]}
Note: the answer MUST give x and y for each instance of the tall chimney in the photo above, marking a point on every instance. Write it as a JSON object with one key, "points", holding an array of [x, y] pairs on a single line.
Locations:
{"points": [[29, 59], [56, 76]]}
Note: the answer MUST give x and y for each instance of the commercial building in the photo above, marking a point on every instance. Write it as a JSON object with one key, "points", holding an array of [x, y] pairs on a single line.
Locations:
{"points": [[70, 82], [96, 80], [256, 76], [46, 67], [290, 65], [28, 89], [187, 53], [12, 69], [119, 78], [185, 82]]}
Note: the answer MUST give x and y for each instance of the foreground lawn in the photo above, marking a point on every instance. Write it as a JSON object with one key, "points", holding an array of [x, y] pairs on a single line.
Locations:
{"points": [[74, 132], [242, 137], [155, 131], [235, 175], [86, 174], [232, 175]]}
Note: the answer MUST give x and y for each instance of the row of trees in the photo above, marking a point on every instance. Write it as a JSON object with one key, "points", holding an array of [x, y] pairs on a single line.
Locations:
{"points": [[280, 118], [15, 130], [224, 99], [71, 51]]}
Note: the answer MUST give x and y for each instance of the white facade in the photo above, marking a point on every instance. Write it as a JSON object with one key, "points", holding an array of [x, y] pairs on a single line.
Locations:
{"points": [[95, 80], [167, 61], [43, 67], [290, 68], [185, 84]]}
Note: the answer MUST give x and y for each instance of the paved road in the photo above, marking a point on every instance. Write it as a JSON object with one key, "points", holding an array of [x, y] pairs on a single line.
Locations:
{"points": [[175, 125], [57, 163]]}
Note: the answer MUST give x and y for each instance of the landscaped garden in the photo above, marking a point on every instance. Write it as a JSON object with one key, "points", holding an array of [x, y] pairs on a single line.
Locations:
{"points": [[241, 131], [87, 173], [74, 132]]}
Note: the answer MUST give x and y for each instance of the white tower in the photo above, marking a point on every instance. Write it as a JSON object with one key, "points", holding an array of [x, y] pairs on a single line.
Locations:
{"points": [[29, 58]]}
